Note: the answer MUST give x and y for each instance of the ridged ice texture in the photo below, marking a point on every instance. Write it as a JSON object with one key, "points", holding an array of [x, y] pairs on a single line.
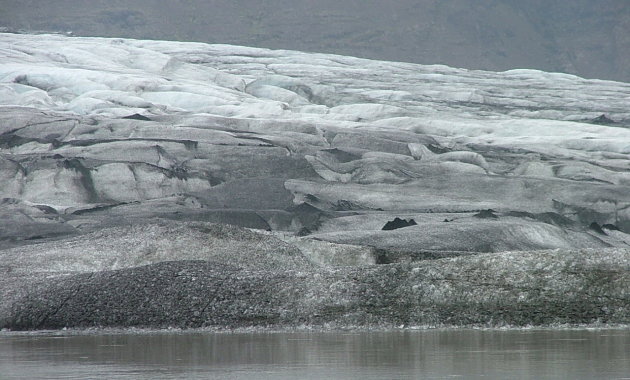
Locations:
{"points": [[103, 139], [248, 132]]}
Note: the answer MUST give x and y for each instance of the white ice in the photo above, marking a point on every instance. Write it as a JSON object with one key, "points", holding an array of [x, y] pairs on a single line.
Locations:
{"points": [[114, 77]]}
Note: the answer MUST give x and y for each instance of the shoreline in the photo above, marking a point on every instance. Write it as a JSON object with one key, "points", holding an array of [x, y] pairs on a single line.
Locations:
{"points": [[107, 331]]}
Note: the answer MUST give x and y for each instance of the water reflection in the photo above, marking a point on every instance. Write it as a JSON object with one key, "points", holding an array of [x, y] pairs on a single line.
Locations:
{"points": [[488, 354]]}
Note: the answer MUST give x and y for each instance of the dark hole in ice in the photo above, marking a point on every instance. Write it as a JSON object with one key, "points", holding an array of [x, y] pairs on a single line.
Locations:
{"points": [[545, 217], [304, 208], [398, 223], [46, 209], [344, 205], [437, 149], [342, 155], [312, 198], [303, 232], [486, 214], [597, 228]]}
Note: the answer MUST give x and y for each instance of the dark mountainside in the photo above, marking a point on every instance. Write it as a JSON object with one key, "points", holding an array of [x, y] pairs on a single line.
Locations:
{"points": [[583, 37]]}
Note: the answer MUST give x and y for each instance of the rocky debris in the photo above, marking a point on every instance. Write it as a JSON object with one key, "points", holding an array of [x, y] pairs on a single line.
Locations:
{"points": [[398, 223], [159, 240], [503, 289]]}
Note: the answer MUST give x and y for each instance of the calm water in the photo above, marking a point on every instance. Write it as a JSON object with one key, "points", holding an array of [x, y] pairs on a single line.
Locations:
{"points": [[431, 354]]}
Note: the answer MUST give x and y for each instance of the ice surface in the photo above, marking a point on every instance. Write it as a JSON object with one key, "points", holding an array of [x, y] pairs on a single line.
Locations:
{"points": [[112, 150], [343, 134]]}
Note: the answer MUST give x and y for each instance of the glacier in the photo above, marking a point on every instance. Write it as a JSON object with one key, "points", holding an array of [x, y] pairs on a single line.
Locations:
{"points": [[123, 161]]}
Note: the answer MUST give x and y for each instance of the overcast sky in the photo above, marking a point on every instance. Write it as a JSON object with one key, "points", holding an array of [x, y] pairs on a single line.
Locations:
{"points": [[585, 37]]}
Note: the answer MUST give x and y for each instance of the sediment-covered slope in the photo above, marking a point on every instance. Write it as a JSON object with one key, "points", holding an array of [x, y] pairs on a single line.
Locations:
{"points": [[99, 134], [173, 274]]}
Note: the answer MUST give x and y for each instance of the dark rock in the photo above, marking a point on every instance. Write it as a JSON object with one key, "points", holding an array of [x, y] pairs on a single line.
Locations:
{"points": [[398, 223], [137, 116], [486, 214], [603, 120]]}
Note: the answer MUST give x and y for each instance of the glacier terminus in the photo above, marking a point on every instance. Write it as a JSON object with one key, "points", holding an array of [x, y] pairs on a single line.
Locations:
{"points": [[170, 184]]}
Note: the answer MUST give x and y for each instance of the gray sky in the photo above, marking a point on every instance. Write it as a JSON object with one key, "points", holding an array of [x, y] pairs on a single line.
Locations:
{"points": [[585, 37]]}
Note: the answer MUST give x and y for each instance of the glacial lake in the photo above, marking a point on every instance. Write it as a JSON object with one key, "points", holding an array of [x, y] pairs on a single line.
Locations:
{"points": [[422, 354]]}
